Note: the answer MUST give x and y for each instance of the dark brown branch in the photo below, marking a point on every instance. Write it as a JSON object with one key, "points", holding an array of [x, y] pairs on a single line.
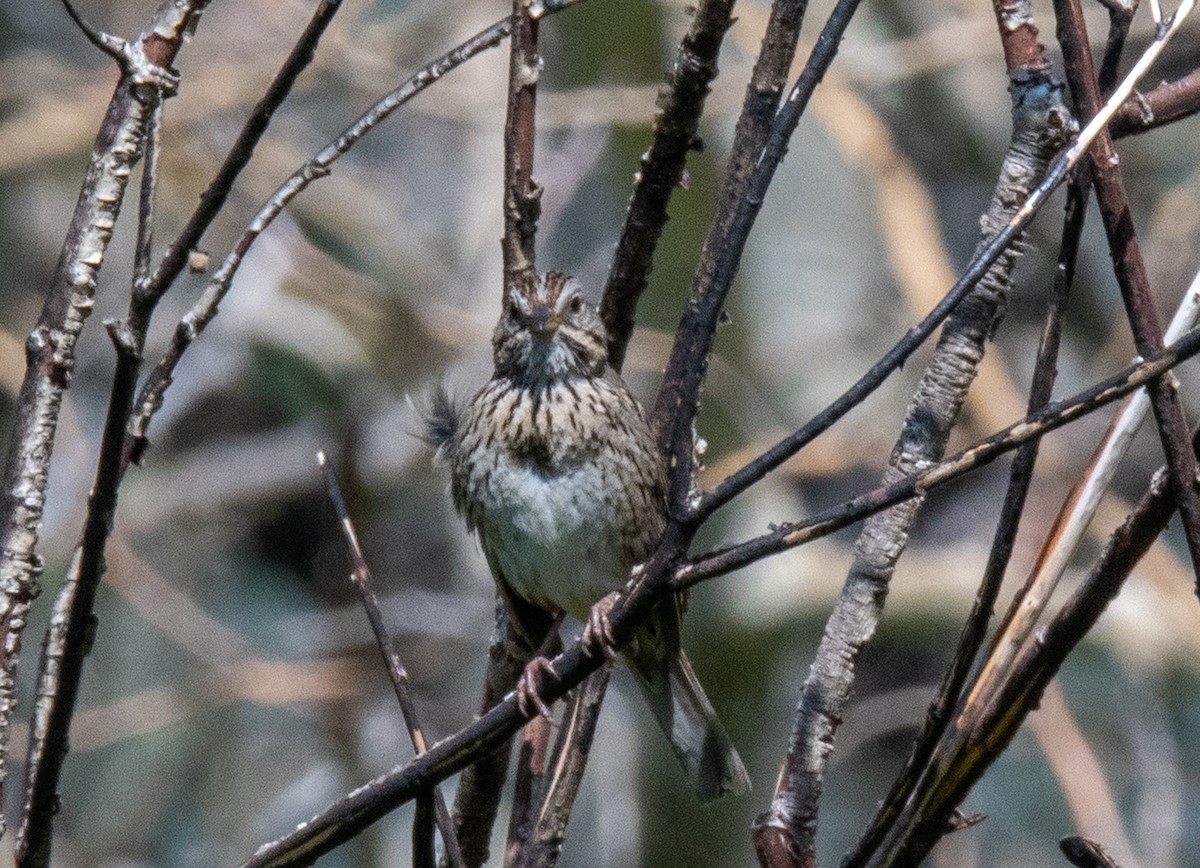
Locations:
{"points": [[986, 735], [1169, 102], [1054, 415], [50, 349], [360, 577], [213, 198], [478, 796], [535, 764], [529, 791], [1086, 854], [1131, 274], [675, 134], [424, 855], [567, 763], [195, 321], [522, 195]]}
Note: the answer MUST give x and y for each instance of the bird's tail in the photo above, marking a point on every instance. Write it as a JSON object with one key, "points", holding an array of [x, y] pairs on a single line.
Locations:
{"points": [[440, 420], [696, 734]]}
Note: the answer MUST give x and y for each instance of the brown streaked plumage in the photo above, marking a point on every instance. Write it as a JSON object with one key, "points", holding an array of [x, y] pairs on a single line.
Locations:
{"points": [[554, 466]]}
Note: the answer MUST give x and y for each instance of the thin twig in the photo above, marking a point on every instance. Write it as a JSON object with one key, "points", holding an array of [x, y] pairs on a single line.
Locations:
{"points": [[213, 198], [1056, 173], [50, 350], [113, 46], [786, 536], [1128, 265], [973, 751], [360, 577], [662, 168], [1064, 536]]}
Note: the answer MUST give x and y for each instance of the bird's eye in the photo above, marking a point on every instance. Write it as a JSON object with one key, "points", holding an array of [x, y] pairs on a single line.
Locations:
{"points": [[575, 304], [514, 309]]}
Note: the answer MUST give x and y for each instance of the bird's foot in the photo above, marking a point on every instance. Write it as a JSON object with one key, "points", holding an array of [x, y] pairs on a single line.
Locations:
{"points": [[597, 636], [528, 698]]}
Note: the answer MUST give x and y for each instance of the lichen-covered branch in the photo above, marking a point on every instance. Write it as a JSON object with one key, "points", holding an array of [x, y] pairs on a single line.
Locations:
{"points": [[50, 349], [1041, 126]]}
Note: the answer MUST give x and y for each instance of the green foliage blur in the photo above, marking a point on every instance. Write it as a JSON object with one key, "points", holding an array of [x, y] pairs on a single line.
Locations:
{"points": [[234, 688]]}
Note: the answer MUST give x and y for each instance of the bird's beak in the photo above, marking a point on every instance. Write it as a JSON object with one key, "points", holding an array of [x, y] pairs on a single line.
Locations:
{"points": [[545, 320]]}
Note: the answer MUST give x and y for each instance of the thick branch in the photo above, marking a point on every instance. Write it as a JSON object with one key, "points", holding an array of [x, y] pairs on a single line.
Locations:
{"points": [[50, 349], [1020, 476]]}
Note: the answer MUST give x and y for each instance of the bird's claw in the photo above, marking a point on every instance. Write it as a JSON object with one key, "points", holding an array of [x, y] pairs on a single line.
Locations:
{"points": [[597, 636], [528, 698]]}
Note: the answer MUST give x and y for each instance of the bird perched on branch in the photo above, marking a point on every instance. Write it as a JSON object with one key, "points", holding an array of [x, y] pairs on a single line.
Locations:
{"points": [[554, 466]]}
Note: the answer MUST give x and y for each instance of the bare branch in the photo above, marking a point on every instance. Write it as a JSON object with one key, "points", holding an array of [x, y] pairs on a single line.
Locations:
{"points": [[1127, 259], [973, 748], [675, 134], [1020, 477], [347, 817], [1169, 102], [1040, 127], [522, 195], [1086, 854], [197, 319], [50, 349], [114, 46], [213, 198], [360, 577], [1055, 415]]}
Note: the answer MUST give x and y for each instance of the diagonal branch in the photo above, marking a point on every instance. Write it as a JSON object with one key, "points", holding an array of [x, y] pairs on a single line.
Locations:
{"points": [[1129, 266], [50, 349], [785, 835], [197, 319], [1020, 477], [675, 134], [360, 577]]}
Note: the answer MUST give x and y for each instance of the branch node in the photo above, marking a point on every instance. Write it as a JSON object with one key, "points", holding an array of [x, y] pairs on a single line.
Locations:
{"points": [[114, 46]]}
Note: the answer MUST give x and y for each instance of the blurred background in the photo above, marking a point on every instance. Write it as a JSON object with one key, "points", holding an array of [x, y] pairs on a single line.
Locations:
{"points": [[234, 688]]}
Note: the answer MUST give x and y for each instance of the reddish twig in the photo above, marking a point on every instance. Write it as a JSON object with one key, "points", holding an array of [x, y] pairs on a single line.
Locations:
{"points": [[522, 195], [1131, 274]]}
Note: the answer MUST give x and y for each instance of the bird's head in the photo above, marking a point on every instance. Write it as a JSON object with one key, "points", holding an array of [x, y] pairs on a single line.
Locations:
{"points": [[548, 331]]}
